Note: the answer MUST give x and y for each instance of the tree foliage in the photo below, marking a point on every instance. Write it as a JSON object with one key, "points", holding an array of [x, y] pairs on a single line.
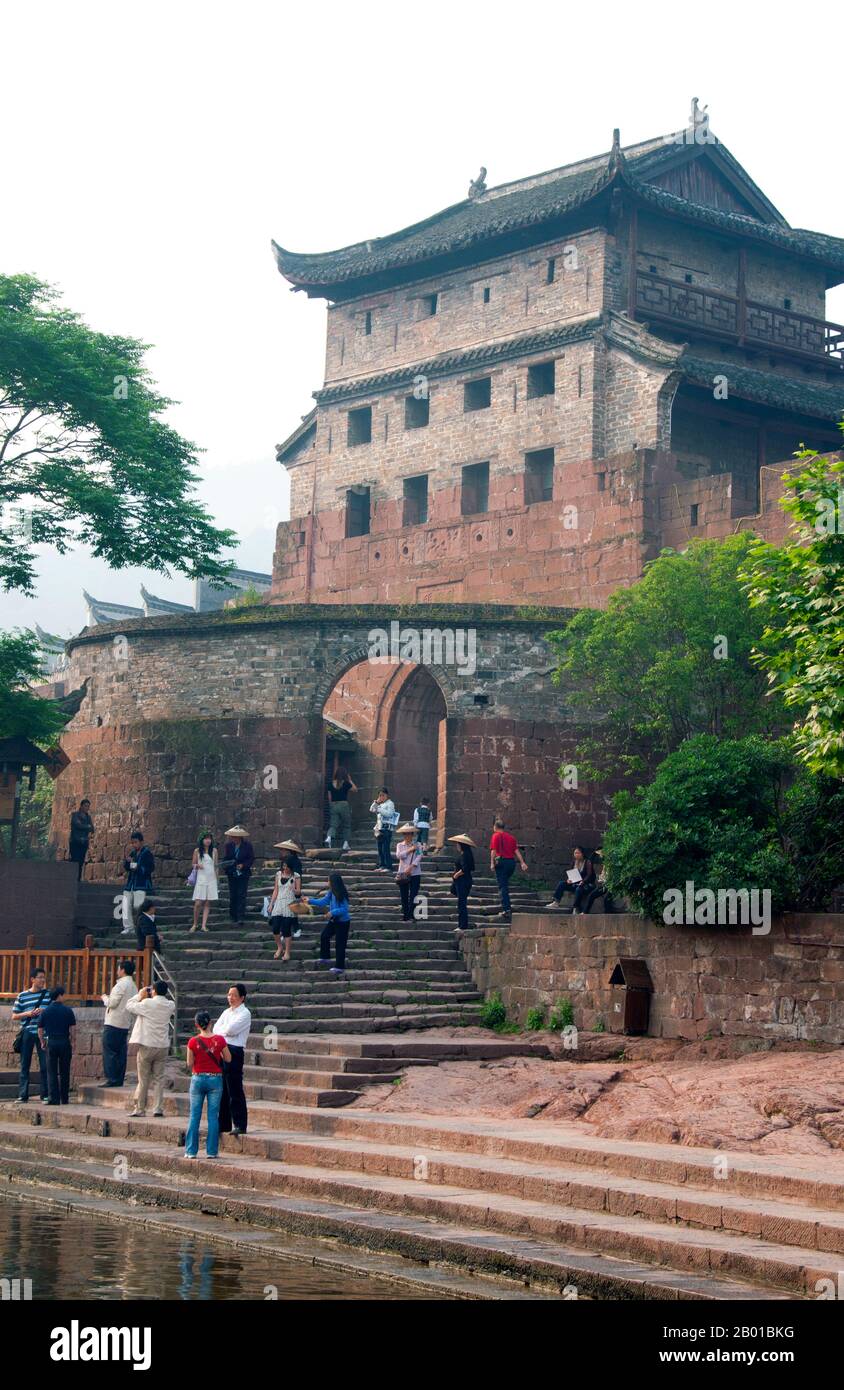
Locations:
{"points": [[728, 814], [798, 589], [84, 454], [669, 658], [22, 713]]}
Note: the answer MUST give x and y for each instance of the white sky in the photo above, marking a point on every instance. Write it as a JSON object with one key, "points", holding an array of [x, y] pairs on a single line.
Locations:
{"points": [[152, 150]]}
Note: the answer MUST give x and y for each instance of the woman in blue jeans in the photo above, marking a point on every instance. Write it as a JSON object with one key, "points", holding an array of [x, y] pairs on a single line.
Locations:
{"points": [[205, 1055]]}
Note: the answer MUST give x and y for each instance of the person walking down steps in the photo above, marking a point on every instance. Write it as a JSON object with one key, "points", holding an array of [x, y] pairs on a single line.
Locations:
{"points": [[139, 866], [504, 854], [336, 903], [409, 876]]}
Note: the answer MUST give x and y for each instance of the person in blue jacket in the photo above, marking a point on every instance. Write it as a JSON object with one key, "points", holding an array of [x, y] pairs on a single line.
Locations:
{"points": [[336, 901]]}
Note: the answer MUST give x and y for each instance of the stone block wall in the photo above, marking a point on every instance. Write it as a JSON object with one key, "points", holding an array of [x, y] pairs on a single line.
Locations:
{"points": [[718, 981], [87, 1063], [37, 898]]}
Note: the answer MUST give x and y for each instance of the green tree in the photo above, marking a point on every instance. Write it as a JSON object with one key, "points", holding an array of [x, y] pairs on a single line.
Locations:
{"points": [[798, 589], [727, 813], [670, 657], [84, 455], [22, 713]]}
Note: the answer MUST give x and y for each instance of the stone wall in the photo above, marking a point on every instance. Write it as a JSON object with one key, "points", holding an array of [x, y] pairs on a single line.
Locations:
{"points": [[37, 898], [87, 1063], [185, 719], [719, 981]]}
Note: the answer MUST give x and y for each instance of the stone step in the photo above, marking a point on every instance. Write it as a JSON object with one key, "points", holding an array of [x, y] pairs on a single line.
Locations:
{"points": [[202, 1185]]}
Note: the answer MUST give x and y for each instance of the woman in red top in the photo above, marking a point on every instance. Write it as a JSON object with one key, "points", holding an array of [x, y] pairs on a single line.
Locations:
{"points": [[205, 1055], [504, 854]]}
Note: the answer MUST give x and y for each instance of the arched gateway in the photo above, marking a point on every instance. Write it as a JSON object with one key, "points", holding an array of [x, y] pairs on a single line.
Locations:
{"points": [[201, 720]]}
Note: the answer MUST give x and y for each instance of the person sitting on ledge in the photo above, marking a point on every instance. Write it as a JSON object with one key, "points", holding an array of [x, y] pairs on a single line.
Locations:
{"points": [[580, 880]]}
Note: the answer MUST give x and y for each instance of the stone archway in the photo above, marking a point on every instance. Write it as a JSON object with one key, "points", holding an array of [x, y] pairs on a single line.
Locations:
{"points": [[397, 714]]}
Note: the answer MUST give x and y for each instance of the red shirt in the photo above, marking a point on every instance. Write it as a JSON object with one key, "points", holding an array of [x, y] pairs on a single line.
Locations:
{"points": [[201, 1059], [504, 844]]}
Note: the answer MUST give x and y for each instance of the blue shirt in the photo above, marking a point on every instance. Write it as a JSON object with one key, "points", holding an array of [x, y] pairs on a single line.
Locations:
{"points": [[141, 877], [339, 910], [57, 1020], [30, 999]]}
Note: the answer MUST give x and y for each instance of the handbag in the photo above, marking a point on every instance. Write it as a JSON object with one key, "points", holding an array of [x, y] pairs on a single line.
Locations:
{"points": [[191, 879], [17, 1045]]}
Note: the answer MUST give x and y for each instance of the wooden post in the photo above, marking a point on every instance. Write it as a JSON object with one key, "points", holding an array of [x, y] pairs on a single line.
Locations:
{"points": [[87, 969], [28, 959], [148, 962]]}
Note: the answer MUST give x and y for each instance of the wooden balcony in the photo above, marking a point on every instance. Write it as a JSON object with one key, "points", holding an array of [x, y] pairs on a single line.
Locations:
{"points": [[738, 320]]}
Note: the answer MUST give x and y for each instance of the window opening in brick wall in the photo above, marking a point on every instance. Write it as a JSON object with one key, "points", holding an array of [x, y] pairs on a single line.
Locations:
{"points": [[693, 513], [539, 476], [428, 305], [357, 511], [360, 425], [688, 279], [477, 394], [786, 304], [481, 699], [416, 412], [367, 322], [550, 269], [486, 294], [415, 503], [602, 482], [541, 379], [474, 496]]}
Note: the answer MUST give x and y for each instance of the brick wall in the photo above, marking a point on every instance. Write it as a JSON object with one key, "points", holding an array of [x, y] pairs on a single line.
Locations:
{"points": [[87, 1063], [37, 898], [707, 981]]}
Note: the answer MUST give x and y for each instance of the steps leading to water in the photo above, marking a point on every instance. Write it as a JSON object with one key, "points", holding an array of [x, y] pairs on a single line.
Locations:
{"points": [[539, 1203]]}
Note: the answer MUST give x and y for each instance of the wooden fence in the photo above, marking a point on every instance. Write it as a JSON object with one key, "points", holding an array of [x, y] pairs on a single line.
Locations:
{"points": [[86, 973]]}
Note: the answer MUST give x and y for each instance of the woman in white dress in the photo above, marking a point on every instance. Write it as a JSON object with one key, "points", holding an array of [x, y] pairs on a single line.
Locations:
{"points": [[205, 890]]}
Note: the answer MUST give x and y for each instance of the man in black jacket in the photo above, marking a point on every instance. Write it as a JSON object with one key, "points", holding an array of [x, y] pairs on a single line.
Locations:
{"points": [[139, 867]]}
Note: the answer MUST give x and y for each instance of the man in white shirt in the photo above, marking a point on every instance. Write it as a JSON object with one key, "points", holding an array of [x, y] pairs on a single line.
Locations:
{"points": [[118, 1021], [234, 1024], [153, 1012]]}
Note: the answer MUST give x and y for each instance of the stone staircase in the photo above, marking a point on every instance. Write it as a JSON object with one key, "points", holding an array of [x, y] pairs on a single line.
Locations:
{"points": [[534, 1204], [399, 975]]}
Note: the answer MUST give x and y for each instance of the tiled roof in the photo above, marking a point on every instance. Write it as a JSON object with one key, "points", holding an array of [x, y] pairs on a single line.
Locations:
{"points": [[826, 402], [535, 201]]}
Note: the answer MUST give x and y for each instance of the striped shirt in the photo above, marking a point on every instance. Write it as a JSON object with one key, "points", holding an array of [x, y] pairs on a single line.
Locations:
{"points": [[30, 999]]}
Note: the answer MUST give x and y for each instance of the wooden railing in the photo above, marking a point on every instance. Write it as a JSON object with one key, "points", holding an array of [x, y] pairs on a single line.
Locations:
{"points": [[86, 973], [738, 319]]}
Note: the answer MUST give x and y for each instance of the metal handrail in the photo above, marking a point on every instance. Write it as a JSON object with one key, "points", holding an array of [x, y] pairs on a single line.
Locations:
{"points": [[160, 972]]}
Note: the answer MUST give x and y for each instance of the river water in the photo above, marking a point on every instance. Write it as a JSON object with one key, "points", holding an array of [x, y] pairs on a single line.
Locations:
{"points": [[67, 1255]]}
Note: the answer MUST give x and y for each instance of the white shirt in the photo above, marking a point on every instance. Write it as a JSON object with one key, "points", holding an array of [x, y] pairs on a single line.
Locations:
{"points": [[117, 1013], [234, 1025], [386, 813], [152, 1024]]}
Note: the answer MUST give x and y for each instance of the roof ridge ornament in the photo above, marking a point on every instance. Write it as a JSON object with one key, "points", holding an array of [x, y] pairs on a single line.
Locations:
{"points": [[616, 160], [697, 131], [478, 185]]}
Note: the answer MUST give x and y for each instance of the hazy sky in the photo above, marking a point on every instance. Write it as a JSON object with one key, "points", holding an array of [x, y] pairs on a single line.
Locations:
{"points": [[152, 150]]}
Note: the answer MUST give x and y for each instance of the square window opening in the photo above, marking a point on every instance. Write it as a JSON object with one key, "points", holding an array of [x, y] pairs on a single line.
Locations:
{"points": [[416, 412], [477, 394], [360, 425], [428, 305], [541, 379]]}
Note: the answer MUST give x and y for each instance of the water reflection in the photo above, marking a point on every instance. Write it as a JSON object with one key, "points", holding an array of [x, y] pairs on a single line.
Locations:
{"points": [[70, 1256]]}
